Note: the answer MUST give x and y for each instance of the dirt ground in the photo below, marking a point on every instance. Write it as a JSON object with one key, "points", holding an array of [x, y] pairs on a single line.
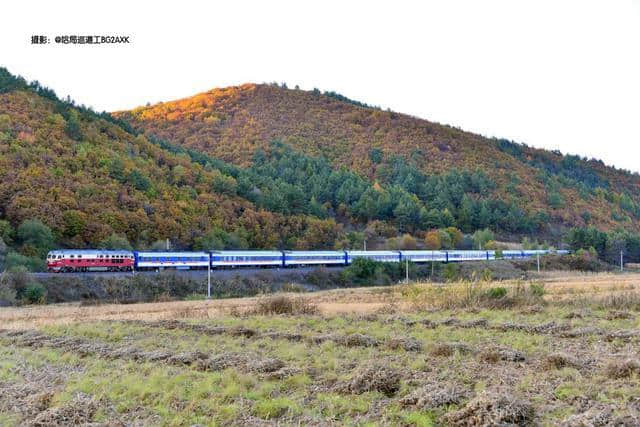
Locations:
{"points": [[558, 285]]}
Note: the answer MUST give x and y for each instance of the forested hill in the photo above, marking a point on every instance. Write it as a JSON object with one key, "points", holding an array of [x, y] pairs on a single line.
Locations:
{"points": [[482, 182], [262, 166], [70, 177]]}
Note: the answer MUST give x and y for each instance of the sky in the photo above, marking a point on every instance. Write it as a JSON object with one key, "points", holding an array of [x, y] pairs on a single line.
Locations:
{"points": [[552, 74]]}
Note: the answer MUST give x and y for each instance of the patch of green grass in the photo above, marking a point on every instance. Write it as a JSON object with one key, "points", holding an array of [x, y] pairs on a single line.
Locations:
{"points": [[419, 418], [7, 368], [338, 407], [271, 408], [9, 420], [567, 391]]}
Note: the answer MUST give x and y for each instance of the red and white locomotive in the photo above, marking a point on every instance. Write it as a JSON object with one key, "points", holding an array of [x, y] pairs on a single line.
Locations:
{"points": [[71, 260]]}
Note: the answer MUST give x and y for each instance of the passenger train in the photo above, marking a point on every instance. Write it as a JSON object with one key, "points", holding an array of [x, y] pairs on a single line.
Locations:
{"points": [[84, 260]]}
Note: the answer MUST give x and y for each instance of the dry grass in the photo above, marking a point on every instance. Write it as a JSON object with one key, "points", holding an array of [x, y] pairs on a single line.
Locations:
{"points": [[622, 368], [274, 360], [611, 291], [283, 304]]}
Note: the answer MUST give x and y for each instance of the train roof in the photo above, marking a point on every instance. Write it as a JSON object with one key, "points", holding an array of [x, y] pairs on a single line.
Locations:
{"points": [[90, 252], [420, 252], [373, 252], [248, 252], [309, 253], [166, 253]]}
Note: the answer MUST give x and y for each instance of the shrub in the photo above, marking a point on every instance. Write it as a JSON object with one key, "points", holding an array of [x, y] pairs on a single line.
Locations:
{"points": [[7, 291], [18, 262], [497, 292], [537, 289], [451, 272], [34, 294]]}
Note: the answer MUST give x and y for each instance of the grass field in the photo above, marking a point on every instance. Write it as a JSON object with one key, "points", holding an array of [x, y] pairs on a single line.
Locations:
{"points": [[562, 349]]}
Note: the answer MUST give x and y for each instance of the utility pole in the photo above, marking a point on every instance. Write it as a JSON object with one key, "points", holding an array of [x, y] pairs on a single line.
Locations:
{"points": [[407, 271], [432, 264], [209, 278], [538, 259]]}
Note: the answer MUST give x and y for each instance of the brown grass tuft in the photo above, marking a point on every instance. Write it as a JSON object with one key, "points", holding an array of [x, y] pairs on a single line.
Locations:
{"points": [[374, 376], [433, 396], [449, 349], [282, 304], [559, 361], [622, 368], [620, 314], [494, 355], [407, 344], [492, 409]]}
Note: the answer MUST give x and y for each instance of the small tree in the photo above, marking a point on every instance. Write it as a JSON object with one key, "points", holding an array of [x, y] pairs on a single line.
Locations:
{"points": [[6, 231], [72, 128], [432, 240], [481, 238], [116, 241], [456, 236], [36, 238]]}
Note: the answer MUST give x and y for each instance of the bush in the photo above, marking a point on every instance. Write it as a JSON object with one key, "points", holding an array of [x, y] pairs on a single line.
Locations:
{"points": [[34, 294], [537, 289], [497, 292], [17, 262], [451, 272], [7, 291]]}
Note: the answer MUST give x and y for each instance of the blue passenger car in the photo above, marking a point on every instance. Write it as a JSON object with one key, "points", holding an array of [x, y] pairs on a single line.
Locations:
{"points": [[174, 260], [456, 256], [315, 258], [381, 256], [221, 259], [424, 256]]}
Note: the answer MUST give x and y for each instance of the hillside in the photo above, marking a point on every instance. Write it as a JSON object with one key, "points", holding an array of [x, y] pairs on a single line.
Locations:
{"points": [[261, 166], [92, 182], [389, 148]]}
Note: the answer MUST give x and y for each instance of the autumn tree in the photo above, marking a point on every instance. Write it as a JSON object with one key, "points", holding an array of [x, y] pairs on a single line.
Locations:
{"points": [[432, 240], [455, 235]]}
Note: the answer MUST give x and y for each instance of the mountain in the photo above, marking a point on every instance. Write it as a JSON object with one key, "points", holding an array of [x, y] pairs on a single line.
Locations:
{"points": [[533, 191], [263, 166], [89, 179]]}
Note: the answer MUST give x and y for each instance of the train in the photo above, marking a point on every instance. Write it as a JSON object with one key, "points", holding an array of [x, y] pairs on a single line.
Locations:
{"points": [[86, 260]]}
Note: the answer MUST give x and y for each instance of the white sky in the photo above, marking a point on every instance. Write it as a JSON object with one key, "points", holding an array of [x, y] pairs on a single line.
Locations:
{"points": [[554, 74]]}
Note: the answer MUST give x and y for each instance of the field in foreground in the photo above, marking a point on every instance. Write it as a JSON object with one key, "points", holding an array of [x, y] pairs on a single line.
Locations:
{"points": [[564, 349]]}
